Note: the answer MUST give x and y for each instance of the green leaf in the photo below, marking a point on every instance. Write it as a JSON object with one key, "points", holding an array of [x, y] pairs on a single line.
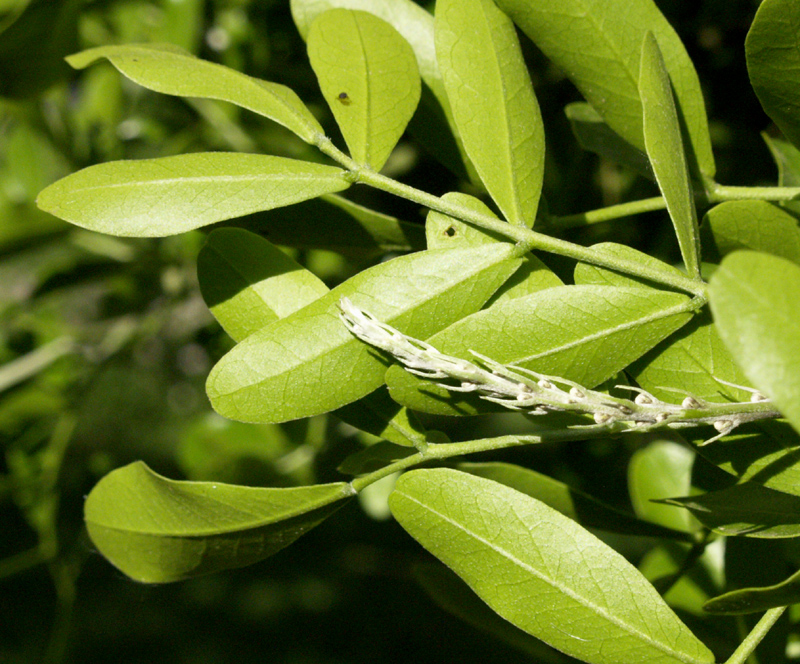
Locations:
{"points": [[586, 274], [157, 530], [602, 53], [308, 363], [373, 458], [337, 224], [689, 363], [369, 77], [787, 159], [755, 225], [541, 571], [594, 135], [171, 195], [754, 298], [661, 469], [171, 70], [748, 509], [664, 144], [493, 103], [754, 600], [582, 333], [773, 58], [248, 282], [577, 505]]}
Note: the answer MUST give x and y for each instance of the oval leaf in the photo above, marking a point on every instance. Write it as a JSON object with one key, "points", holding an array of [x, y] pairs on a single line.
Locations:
{"points": [[171, 70], [171, 195], [773, 57], [369, 77], [493, 103], [157, 530], [664, 144], [754, 298], [248, 282], [541, 571], [582, 333], [601, 55], [308, 363], [755, 225]]}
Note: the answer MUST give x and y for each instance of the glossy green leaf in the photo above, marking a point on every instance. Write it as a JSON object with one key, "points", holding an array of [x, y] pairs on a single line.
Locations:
{"points": [[661, 469], [157, 530], [595, 135], [248, 282], [586, 274], [541, 571], [171, 70], [308, 363], [597, 44], [433, 124], [577, 505], [754, 298], [493, 103], [664, 145], [755, 225], [171, 195], [337, 224], [765, 452], [773, 58], [748, 509], [369, 77], [582, 333], [689, 363], [755, 600]]}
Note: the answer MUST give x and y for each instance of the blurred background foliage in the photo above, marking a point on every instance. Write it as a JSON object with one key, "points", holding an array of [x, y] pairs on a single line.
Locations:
{"points": [[105, 344]]}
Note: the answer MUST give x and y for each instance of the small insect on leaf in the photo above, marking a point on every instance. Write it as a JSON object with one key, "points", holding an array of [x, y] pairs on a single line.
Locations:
{"points": [[344, 99]]}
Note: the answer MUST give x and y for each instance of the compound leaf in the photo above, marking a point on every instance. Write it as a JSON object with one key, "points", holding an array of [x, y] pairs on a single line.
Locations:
{"points": [[171, 70], [171, 195], [157, 530], [493, 103], [541, 571], [369, 77]]}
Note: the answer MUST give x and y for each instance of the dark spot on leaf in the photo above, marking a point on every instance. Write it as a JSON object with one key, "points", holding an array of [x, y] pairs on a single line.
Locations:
{"points": [[450, 232], [344, 98]]}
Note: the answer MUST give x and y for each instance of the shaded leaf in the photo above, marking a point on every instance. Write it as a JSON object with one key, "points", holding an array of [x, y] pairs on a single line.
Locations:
{"points": [[787, 159], [493, 103], [754, 298], [171, 70], [248, 282], [773, 58], [171, 195], [577, 505], [595, 135], [602, 57], [369, 77], [373, 458], [308, 363], [754, 600], [747, 509], [660, 469], [157, 530], [664, 144], [756, 225], [582, 333], [541, 571]]}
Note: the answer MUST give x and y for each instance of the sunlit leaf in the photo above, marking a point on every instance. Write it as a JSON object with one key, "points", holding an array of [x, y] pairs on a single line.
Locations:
{"points": [[664, 145], [586, 274], [171, 195], [158, 530], [308, 363], [754, 298], [171, 70], [541, 571]]}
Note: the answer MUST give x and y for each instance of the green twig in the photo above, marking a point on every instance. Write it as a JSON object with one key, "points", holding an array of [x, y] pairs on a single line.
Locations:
{"points": [[609, 213], [755, 636]]}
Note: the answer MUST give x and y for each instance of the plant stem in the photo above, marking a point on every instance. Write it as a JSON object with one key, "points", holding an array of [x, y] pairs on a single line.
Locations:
{"points": [[525, 238], [719, 193], [609, 213], [755, 636], [439, 451]]}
